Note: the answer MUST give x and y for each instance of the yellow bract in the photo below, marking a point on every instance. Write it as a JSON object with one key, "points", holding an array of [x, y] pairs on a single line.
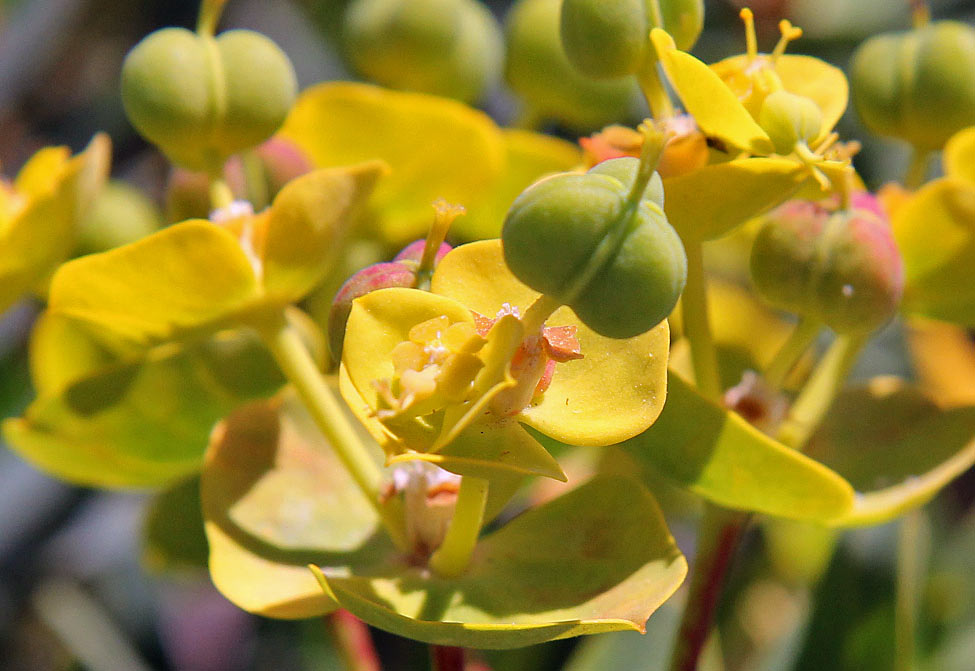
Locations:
{"points": [[935, 232], [40, 213], [436, 148], [447, 376], [164, 287], [726, 98]]}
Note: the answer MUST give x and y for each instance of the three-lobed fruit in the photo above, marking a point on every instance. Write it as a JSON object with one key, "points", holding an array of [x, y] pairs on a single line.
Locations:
{"points": [[584, 241], [841, 268], [451, 48], [610, 38], [917, 85], [201, 99], [790, 119], [537, 69]]}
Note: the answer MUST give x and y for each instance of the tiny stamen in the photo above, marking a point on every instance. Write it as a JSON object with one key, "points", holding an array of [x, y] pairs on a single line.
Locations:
{"points": [[790, 33], [751, 41]]}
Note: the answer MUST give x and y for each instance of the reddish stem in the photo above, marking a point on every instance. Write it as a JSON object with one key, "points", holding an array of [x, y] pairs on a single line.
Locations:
{"points": [[354, 642], [447, 658], [713, 560]]}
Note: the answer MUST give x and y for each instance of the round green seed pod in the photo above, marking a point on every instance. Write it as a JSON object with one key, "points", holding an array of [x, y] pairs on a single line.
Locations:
{"points": [[554, 227], [450, 48], [918, 85], [789, 119], [640, 285], [537, 69], [841, 268], [119, 215], [610, 38], [578, 239], [625, 170], [201, 99]]}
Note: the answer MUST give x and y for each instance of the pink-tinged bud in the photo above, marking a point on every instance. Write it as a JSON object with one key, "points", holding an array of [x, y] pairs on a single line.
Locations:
{"points": [[378, 276], [414, 252], [272, 165], [842, 267]]}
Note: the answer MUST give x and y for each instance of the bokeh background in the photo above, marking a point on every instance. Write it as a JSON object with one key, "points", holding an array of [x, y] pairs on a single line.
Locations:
{"points": [[78, 588]]}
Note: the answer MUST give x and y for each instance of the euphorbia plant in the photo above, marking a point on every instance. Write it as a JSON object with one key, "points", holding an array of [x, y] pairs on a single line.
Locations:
{"points": [[378, 480]]}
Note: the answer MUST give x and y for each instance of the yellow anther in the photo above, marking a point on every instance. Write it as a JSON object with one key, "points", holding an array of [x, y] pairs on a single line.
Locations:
{"points": [[751, 41], [790, 33]]}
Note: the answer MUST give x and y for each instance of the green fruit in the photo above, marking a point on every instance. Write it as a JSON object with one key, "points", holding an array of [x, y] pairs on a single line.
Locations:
{"points": [[201, 99], [625, 170], [538, 70], [611, 38], [580, 240], [790, 119], [918, 85], [841, 268], [450, 48], [120, 214]]}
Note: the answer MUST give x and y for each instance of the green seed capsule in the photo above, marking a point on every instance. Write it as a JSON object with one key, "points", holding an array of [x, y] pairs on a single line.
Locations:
{"points": [[841, 268], [120, 214], [537, 69], [625, 170], [581, 240], [610, 38], [201, 99], [790, 119], [450, 48], [919, 85]]}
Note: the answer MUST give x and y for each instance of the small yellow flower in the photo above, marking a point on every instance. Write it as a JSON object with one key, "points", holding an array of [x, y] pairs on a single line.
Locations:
{"points": [[449, 376]]}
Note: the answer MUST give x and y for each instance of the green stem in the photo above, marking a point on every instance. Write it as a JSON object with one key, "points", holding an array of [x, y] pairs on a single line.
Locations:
{"points": [[299, 368], [210, 12], [653, 90], [538, 312], [454, 554], [719, 534], [911, 549], [917, 169], [820, 390], [697, 328], [795, 346]]}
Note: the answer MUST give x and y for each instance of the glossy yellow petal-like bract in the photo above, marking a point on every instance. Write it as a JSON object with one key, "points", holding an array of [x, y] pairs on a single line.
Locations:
{"points": [[959, 155], [715, 108], [40, 232], [264, 462], [476, 275], [631, 373], [935, 232], [718, 455], [713, 200], [190, 278], [437, 148], [307, 222], [519, 588], [41, 171]]}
